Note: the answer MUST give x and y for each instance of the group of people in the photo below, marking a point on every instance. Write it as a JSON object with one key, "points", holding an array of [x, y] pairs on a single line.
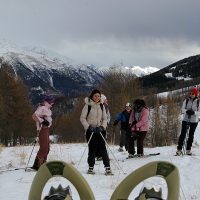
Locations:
{"points": [[95, 117]]}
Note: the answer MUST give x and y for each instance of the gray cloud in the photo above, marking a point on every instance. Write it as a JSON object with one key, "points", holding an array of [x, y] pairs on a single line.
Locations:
{"points": [[106, 32]]}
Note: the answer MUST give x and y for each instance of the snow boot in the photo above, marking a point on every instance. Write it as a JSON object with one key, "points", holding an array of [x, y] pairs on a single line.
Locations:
{"points": [[139, 155], [179, 153], [90, 170], [130, 155], [108, 171], [36, 164], [120, 149], [188, 152]]}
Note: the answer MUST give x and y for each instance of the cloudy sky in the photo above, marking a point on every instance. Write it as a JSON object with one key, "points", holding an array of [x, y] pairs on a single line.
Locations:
{"points": [[106, 32]]}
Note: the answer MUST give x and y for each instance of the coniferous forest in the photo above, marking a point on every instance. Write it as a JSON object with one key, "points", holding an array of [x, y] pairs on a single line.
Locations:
{"points": [[18, 128]]}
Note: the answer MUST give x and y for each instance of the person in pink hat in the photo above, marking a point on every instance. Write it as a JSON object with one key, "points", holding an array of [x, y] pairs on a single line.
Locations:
{"points": [[190, 111]]}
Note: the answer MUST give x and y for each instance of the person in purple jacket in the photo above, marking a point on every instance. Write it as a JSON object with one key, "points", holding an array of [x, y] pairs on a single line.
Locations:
{"points": [[139, 123]]}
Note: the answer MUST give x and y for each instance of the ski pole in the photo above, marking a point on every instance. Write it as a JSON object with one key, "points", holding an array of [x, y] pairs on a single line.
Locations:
{"points": [[186, 137], [30, 155], [85, 150], [112, 153]]}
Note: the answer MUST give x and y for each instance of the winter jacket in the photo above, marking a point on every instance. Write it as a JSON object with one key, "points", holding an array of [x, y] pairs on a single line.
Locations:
{"points": [[42, 112], [143, 122], [96, 116], [124, 118], [191, 105]]}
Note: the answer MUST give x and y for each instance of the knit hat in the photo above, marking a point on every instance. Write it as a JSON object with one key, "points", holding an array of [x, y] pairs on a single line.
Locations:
{"points": [[128, 104], [94, 92], [49, 99], [103, 98], [139, 102], [195, 91]]}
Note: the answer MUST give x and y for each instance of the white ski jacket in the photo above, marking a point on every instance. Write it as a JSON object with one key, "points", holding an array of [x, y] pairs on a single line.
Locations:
{"points": [[96, 116], [192, 104]]}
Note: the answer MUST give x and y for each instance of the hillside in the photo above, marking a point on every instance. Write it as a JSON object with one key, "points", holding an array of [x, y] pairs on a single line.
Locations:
{"points": [[182, 73]]}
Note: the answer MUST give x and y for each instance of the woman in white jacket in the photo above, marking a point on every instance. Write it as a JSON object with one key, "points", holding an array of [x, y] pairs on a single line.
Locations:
{"points": [[94, 120], [190, 111]]}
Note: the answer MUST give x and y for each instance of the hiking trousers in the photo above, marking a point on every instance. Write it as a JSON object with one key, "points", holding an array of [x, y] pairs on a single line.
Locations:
{"points": [[97, 143], [139, 137], [44, 147], [187, 126]]}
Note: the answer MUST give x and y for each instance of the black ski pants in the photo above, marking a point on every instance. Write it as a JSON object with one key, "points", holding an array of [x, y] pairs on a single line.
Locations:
{"points": [[139, 137], [187, 126], [97, 142], [123, 138]]}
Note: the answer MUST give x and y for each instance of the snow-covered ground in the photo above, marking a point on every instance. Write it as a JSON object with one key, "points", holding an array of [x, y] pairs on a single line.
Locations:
{"points": [[16, 184]]}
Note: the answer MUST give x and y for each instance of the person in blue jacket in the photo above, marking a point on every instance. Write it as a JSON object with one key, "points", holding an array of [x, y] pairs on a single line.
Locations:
{"points": [[123, 117]]}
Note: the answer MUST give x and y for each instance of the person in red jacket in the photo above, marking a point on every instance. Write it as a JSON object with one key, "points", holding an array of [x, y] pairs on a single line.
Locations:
{"points": [[139, 122]]}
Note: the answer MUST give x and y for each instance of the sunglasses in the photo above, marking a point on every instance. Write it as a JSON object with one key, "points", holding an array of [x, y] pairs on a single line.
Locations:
{"points": [[191, 93]]}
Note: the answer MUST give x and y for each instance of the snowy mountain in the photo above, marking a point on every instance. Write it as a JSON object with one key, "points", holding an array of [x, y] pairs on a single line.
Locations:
{"points": [[45, 71]]}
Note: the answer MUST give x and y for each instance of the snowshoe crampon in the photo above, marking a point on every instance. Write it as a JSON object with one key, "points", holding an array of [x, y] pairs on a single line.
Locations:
{"points": [[59, 193]]}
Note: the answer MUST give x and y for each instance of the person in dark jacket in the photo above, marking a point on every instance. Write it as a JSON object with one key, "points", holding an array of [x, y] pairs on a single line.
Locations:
{"points": [[123, 117], [95, 124], [190, 111]]}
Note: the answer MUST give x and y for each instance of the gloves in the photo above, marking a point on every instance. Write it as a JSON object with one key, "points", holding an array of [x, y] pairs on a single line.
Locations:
{"points": [[134, 122], [91, 129], [101, 129], [135, 135], [36, 139], [190, 112], [115, 123], [45, 123]]}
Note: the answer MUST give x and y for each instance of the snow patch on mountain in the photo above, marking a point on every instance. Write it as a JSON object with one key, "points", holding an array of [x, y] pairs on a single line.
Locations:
{"points": [[136, 70]]}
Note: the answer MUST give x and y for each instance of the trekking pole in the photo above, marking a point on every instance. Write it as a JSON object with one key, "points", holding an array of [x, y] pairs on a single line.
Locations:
{"points": [[85, 150], [186, 137], [30, 155], [112, 154]]}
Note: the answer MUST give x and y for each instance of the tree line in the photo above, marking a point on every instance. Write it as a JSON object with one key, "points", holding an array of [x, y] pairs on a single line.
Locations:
{"points": [[17, 126], [120, 88]]}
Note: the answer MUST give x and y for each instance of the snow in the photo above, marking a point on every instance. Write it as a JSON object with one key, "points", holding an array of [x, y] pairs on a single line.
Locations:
{"points": [[136, 70], [16, 184]]}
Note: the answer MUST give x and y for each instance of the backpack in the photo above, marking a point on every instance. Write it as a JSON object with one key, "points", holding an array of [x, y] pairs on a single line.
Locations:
{"points": [[187, 103], [89, 108]]}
